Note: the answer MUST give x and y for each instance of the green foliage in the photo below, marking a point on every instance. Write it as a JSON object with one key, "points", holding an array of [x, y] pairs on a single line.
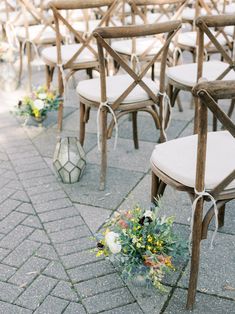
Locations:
{"points": [[39, 103], [143, 244]]}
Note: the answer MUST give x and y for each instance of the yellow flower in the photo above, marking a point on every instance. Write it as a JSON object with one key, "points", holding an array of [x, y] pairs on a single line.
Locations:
{"points": [[150, 238], [99, 253], [159, 243], [148, 247], [36, 113]]}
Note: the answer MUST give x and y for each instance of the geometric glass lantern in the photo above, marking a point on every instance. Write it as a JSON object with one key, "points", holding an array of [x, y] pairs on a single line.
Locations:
{"points": [[69, 159]]}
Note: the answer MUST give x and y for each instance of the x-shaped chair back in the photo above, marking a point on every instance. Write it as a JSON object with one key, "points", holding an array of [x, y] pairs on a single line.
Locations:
{"points": [[171, 9], [104, 34], [165, 7], [209, 7], [39, 16], [209, 94], [204, 25], [60, 20]]}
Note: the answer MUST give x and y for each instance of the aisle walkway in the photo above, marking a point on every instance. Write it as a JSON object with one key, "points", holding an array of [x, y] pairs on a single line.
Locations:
{"points": [[46, 227]]}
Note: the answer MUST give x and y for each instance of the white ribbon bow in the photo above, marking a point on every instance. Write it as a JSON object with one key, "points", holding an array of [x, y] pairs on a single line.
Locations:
{"points": [[105, 104], [199, 196]]}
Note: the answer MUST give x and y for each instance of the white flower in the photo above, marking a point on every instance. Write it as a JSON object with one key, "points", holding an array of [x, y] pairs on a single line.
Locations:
{"points": [[148, 213], [39, 104], [111, 239], [42, 96]]}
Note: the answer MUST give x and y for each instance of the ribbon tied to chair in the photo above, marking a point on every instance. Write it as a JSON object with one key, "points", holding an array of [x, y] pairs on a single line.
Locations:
{"points": [[166, 105], [199, 196], [105, 105]]}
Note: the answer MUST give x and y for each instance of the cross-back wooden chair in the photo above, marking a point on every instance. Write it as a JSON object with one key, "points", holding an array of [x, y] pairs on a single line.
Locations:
{"points": [[128, 93], [202, 165], [188, 41], [140, 50], [185, 76], [81, 53], [155, 11], [37, 31]]}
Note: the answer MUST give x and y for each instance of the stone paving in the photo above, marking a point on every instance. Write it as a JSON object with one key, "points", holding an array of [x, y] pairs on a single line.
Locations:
{"points": [[47, 228]]}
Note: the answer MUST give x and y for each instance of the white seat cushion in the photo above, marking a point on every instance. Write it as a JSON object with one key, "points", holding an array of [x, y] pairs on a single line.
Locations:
{"points": [[230, 8], [177, 159], [186, 74], [67, 52], [36, 32], [17, 18], [150, 18], [116, 85], [81, 26], [190, 39], [125, 46], [189, 13], [229, 30]]}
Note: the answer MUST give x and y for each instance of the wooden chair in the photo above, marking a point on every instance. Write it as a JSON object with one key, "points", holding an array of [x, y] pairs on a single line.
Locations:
{"points": [[202, 165], [140, 50], [124, 94], [81, 53], [188, 41], [37, 31], [184, 77]]}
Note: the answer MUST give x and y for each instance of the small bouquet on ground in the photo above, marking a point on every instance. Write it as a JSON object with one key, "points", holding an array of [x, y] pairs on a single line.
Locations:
{"points": [[143, 244], [39, 103]]}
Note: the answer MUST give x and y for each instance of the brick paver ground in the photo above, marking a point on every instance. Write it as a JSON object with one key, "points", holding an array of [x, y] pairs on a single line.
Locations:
{"points": [[47, 228]]}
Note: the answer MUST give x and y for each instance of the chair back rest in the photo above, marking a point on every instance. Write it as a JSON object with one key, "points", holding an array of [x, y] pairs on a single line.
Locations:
{"points": [[204, 25], [203, 7], [59, 7], [164, 10], [104, 34], [37, 13], [209, 94]]}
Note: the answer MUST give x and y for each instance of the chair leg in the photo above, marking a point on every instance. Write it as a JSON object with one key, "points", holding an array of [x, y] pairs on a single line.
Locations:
{"points": [[60, 116], [154, 187], [157, 188], [48, 76], [82, 123], [89, 73], [103, 170], [231, 108], [61, 105], [21, 61], [135, 130], [153, 72], [178, 100], [28, 50], [214, 127], [196, 241], [221, 215]]}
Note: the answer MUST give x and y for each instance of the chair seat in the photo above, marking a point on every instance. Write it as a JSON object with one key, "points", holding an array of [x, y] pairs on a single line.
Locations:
{"points": [[230, 8], [81, 25], [125, 46], [150, 18], [177, 159], [67, 51], [37, 33], [116, 85], [188, 14], [17, 18], [186, 74], [229, 30], [189, 39]]}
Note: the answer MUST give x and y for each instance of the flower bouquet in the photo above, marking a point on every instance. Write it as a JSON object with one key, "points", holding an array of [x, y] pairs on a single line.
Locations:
{"points": [[143, 244], [38, 104]]}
